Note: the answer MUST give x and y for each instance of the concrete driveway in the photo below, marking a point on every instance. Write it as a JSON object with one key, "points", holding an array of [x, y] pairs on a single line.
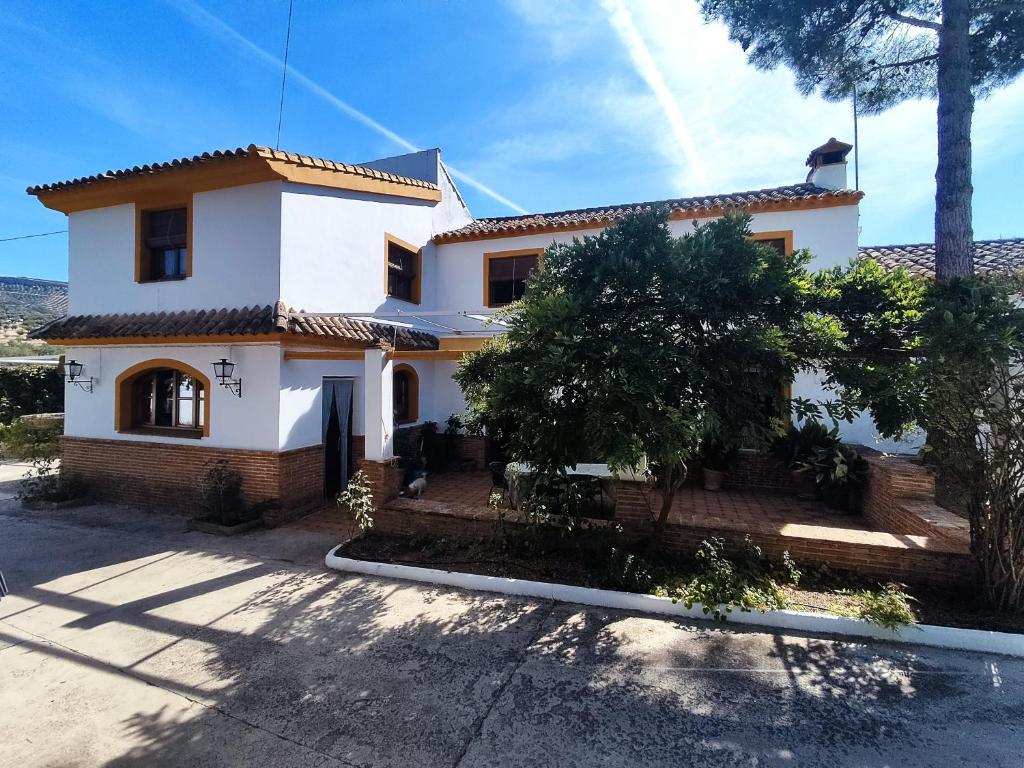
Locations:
{"points": [[129, 642]]}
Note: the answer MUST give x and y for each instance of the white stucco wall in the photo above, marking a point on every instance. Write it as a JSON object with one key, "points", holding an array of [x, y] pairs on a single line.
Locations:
{"points": [[247, 422], [332, 248], [830, 234], [301, 409], [235, 241]]}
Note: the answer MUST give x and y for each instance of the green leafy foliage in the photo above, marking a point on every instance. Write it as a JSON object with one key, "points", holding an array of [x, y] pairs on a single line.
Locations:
{"points": [[832, 45], [28, 389], [220, 495], [45, 482], [32, 437], [887, 606], [749, 581], [634, 344], [358, 500]]}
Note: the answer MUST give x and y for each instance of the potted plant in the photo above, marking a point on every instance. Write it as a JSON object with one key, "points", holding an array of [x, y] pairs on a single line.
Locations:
{"points": [[799, 448], [716, 460], [841, 473]]}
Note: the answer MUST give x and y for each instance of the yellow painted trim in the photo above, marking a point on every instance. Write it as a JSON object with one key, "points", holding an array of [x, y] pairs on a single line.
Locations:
{"points": [[488, 257], [156, 203], [123, 402], [417, 286], [219, 339], [226, 172], [462, 343], [341, 354], [325, 177], [782, 234], [690, 214], [400, 354], [414, 391]]}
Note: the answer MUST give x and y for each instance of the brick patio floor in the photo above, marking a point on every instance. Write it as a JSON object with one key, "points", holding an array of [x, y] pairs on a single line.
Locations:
{"points": [[695, 507]]}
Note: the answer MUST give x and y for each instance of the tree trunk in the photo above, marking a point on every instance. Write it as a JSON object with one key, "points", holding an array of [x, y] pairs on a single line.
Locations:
{"points": [[669, 481], [954, 233]]}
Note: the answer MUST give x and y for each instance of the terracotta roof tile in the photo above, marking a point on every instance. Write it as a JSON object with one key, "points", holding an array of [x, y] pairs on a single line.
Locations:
{"points": [[990, 256], [248, 321], [226, 156], [764, 199]]}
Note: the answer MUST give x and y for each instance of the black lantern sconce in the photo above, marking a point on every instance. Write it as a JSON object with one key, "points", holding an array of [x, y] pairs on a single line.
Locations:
{"points": [[223, 369], [74, 371]]}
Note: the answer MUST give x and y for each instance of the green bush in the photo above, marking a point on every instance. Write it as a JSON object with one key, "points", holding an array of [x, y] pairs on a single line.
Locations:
{"points": [[358, 499], [749, 582], [220, 495], [31, 389], [32, 437], [46, 483]]}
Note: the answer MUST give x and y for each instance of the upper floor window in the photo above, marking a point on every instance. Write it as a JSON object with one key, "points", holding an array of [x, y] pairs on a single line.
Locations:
{"points": [[505, 275], [154, 397], [164, 248], [780, 241], [403, 270]]}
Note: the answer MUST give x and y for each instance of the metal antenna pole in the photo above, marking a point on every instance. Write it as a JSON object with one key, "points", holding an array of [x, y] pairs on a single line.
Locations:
{"points": [[856, 143], [284, 74]]}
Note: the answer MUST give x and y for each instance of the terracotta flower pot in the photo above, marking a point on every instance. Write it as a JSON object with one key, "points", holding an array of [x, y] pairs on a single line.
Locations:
{"points": [[713, 479]]}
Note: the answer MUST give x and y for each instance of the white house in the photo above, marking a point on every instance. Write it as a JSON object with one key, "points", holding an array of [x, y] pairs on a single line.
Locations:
{"points": [[340, 296]]}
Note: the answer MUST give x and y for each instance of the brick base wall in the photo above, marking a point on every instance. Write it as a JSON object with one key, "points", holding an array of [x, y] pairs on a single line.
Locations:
{"points": [[759, 471], [385, 479], [166, 476]]}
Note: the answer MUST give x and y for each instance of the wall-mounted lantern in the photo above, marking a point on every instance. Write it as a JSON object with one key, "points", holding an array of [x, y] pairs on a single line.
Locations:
{"points": [[224, 369], [74, 371]]}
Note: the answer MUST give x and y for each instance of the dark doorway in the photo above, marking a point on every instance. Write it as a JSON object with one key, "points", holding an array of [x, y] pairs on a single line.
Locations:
{"points": [[337, 434]]}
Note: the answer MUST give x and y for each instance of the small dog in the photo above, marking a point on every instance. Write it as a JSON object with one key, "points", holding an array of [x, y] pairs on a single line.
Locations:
{"points": [[417, 486]]}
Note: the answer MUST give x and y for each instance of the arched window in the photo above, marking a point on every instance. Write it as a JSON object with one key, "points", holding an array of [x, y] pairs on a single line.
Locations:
{"points": [[406, 394], [163, 397]]}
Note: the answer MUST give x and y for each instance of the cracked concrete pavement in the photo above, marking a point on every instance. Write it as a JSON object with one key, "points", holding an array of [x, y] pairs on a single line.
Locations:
{"points": [[127, 641]]}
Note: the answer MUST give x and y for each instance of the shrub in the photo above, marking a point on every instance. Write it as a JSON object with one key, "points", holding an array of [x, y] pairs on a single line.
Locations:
{"points": [[30, 389], [750, 582], [32, 437], [889, 607], [627, 572], [220, 495], [358, 499], [46, 483]]}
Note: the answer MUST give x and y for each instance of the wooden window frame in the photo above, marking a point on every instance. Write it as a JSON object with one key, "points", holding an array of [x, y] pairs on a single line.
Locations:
{"points": [[417, 283], [489, 257], [142, 207], [786, 235], [414, 392], [124, 402]]}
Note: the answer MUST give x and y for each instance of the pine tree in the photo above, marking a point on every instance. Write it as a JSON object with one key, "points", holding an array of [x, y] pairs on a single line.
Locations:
{"points": [[890, 51]]}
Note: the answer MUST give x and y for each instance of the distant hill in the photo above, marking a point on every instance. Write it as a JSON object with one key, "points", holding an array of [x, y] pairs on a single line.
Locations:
{"points": [[25, 304]]}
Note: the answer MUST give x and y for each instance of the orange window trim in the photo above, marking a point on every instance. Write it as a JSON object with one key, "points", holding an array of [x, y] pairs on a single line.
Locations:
{"points": [[489, 257], [149, 203], [123, 394], [417, 285], [786, 235]]}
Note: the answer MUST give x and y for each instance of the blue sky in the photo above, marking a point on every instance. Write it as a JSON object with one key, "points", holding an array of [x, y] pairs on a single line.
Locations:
{"points": [[538, 105]]}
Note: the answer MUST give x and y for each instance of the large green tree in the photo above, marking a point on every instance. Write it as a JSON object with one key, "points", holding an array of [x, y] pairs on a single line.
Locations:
{"points": [[889, 51], [636, 345]]}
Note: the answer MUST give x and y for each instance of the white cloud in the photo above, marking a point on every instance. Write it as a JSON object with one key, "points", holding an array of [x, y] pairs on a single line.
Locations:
{"points": [[747, 128]]}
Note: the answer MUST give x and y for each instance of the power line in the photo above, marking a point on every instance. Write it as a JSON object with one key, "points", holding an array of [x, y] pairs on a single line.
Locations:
{"points": [[38, 234], [284, 74]]}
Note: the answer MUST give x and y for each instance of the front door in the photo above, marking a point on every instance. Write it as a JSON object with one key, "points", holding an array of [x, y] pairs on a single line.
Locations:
{"points": [[336, 397]]}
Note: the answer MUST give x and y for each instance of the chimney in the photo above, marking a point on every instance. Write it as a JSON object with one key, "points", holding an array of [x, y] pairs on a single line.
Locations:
{"points": [[828, 164]]}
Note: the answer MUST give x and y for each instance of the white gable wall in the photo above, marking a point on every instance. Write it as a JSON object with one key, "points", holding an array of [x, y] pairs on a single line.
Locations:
{"points": [[235, 243], [332, 248]]}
